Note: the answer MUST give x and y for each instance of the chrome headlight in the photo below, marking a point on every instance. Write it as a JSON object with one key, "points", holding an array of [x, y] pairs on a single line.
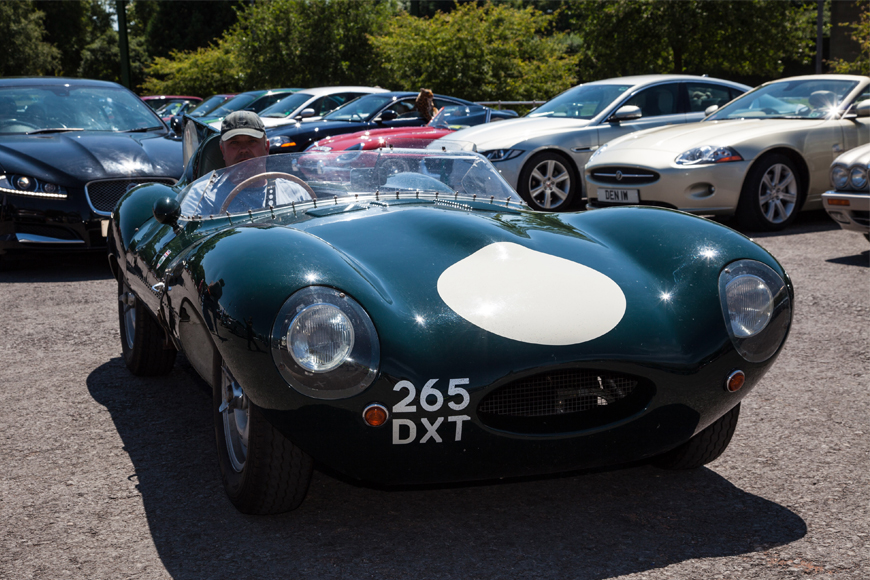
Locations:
{"points": [[281, 141], [324, 344], [858, 177], [839, 177], [30, 186], [757, 308], [708, 154], [496, 155]]}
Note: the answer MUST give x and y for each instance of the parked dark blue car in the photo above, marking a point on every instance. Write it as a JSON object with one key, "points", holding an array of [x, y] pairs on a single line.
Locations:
{"points": [[69, 149]]}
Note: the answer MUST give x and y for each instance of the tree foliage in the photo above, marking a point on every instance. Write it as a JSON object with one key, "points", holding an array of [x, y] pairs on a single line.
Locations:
{"points": [[861, 34], [184, 25], [25, 48], [205, 71], [67, 24], [479, 52], [733, 38]]}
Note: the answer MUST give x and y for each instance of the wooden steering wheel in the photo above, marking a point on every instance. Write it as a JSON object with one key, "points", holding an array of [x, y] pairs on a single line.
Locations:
{"points": [[260, 176]]}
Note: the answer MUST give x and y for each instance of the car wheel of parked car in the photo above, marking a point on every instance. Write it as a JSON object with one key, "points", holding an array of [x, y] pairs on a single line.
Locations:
{"points": [[143, 342], [262, 471], [772, 194], [704, 447], [548, 182]]}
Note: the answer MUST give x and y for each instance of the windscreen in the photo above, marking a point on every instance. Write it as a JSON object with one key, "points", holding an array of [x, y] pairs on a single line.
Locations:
{"points": [[285, 106], [794, 99], [359, 109], [235, 104], [298, 178], [33, 109], [457, 117], [207, 106], [582, 102]]}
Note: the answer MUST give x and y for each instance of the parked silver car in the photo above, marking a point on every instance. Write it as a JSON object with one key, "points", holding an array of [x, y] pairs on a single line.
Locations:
{"points": [[542, 154], [763, 157], [849, 200]]}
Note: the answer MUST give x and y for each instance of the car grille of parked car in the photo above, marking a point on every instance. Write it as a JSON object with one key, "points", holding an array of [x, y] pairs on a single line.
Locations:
{"points": [[565, 400], [623, 175], [861, 217], [104, 195]]}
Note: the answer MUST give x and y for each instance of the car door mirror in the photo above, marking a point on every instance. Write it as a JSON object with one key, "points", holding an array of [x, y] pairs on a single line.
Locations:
{"points": [[710, 110], [387, 115], [309, 112], [167, 210], [626, 113], [863, 108]]}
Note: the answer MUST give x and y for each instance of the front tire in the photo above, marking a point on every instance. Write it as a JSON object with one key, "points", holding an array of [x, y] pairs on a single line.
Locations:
{"points": [[704, 447], [143, 342], [772, 194], [548, 182], [262, 471]]}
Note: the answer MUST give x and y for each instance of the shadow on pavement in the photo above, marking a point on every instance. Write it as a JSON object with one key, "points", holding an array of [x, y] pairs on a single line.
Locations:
{"points": [[806, 222], [591, 526], [862, 259], [54, 267]]}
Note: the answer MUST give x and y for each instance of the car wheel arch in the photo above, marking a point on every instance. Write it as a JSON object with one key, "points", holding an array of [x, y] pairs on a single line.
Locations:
{"points": [[793, 156]]}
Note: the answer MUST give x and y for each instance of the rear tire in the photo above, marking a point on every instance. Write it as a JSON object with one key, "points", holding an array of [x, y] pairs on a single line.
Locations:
{"points": [[548, 182], [143, 341], [772, 194], [704, 447], [262, 471]]}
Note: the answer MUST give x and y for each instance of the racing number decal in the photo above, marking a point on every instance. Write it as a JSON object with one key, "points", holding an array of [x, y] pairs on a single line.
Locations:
{"points": [[431, 400]]}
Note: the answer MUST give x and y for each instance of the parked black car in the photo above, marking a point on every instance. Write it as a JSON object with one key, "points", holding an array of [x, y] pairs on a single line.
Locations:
{"points": [[375, 111], [69, 149]]}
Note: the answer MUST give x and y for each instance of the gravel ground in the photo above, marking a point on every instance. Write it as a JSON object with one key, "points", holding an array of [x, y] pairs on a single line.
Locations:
{"points": [[109, 476]]}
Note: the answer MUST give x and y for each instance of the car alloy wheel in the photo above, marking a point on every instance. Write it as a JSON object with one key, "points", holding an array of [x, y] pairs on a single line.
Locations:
{"points": [[778, 193], [772, 194], [547, 182]]}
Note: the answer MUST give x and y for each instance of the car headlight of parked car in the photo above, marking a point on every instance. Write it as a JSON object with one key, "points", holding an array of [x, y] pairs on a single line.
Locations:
{"points": [[858, 177], [501, 154], [30, 186], [757, 308], [846, 178], [281, 141], [707, 154], [325, 344]]}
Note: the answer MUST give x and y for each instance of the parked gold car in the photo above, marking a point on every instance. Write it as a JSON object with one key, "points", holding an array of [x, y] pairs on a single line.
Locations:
{"points": [[761, 157]]}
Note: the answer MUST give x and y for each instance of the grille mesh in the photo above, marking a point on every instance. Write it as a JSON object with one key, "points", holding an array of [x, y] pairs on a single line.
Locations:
{"points": [[104, 195], [627, 175], [557, 393]]}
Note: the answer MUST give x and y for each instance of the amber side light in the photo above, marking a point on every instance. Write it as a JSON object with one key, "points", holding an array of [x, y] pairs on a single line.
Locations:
{"points": [[375, 415], [838, 202], [735, 381]]}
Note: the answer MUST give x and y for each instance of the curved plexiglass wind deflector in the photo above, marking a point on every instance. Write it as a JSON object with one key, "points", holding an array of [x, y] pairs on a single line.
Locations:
{"points": [[297, 179]]}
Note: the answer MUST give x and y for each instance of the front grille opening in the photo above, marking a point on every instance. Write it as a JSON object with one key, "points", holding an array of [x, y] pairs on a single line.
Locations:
{"points": [[861, 217], [48, 231], [623, 176], [564, 401], [104, 195]]}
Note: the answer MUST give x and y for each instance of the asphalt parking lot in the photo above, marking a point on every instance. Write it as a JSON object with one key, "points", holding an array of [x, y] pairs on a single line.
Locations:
{"points": [[110, 476]]}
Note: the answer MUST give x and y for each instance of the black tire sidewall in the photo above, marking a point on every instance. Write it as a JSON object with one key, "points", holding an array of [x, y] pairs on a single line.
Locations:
{"points": [[526, 173]]}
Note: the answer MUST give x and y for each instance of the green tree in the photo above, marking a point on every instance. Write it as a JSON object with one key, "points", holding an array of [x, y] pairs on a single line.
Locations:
{"points": [[724, 38], [205, 71], [25, 49], [67, 25], [861, 34], [101, 58], [479, 52], [184, 25]]}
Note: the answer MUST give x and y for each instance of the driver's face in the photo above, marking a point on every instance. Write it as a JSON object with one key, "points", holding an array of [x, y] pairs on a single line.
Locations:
{"points": [[243, 147]]}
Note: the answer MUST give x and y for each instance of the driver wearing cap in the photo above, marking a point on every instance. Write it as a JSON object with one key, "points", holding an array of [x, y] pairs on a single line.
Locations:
{"points": [[243, 137]]}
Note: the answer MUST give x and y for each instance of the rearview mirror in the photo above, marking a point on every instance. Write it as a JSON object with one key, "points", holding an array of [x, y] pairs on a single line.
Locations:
{"points": [[387, 115], [167, 210], [711, 109], [309, 112]]}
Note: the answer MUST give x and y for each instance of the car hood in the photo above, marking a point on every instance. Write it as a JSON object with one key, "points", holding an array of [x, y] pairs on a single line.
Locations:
{"points": [[71, 159], [857, 155], [678, 138], [506, 134]]}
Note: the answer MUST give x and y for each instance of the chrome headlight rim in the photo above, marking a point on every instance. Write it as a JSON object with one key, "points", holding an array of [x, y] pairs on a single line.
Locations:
{"points": [[839, 177], [358, 366], [761, 337], [708, 155]]}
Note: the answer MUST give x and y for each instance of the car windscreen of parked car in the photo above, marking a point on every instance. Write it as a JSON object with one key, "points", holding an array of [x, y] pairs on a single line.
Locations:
{"points": [[207, 106], [358, 109], [790, 99], [582, 102], [30, 109]]}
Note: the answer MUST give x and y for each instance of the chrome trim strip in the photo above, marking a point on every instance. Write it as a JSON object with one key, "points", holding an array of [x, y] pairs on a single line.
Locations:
{"points": [[35, 239]]}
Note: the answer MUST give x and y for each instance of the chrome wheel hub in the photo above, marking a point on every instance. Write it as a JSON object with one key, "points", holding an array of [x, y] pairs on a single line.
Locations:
{"points": [[235, 415]]}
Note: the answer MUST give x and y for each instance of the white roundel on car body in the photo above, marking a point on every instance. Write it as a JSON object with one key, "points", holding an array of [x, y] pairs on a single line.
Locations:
{"points": [[532, 297]]}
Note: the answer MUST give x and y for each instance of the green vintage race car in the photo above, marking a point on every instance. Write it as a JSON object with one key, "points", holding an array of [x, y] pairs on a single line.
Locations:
{"points": [[401, 317]]}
